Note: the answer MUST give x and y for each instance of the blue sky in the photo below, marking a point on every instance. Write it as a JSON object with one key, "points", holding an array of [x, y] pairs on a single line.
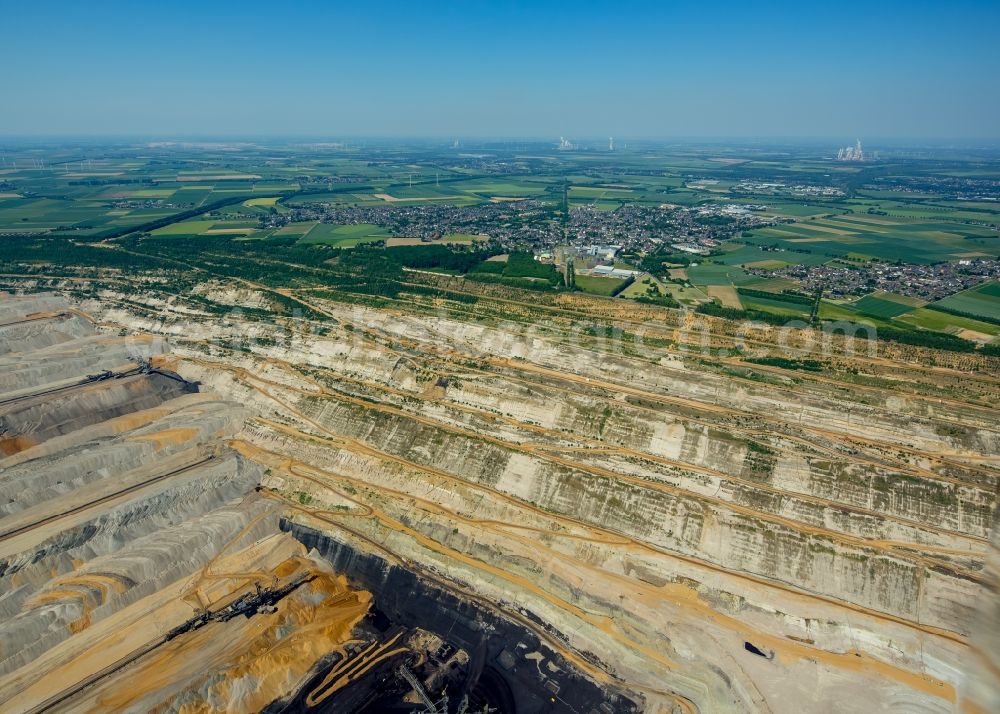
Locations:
{"points": [[542, 69]]}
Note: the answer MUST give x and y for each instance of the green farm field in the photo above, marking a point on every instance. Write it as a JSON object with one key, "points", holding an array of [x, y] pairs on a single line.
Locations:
{"points": [[597, 285], [775, 305], [714, 274], [981, 301], [885, 305], [344, 236], [882, 237], [928, 319]]}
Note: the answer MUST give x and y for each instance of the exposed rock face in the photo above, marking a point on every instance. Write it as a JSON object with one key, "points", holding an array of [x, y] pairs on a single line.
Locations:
{"points": [[142, 569], [703, 532], [122, 513], [40, 331], [30, 421], [981, 690], [719, 538]]}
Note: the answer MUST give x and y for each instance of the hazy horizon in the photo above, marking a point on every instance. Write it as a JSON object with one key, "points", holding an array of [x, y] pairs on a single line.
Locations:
{"points": [[914, 71], [621, 142]]}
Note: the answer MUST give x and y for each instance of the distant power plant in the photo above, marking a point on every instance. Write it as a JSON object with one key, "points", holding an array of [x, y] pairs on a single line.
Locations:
{"points": [[611, 143], [855, 153], [565, 145]]}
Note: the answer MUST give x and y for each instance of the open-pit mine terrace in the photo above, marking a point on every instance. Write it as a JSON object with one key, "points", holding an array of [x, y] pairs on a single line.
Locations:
{"points": [[649, 524], [143, 566]]}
